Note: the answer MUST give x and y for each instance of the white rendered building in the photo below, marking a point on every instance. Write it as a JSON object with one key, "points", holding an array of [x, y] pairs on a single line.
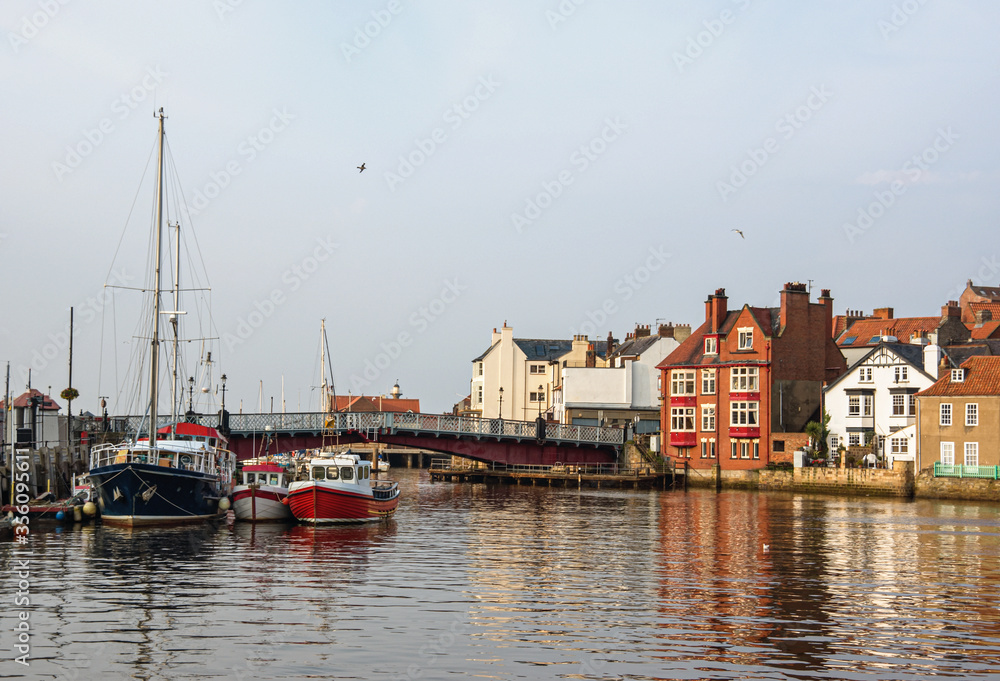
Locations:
{"points": [[878, 393]]}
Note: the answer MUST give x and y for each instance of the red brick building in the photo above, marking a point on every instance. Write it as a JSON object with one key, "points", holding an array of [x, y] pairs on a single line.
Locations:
{"points": [[740, 390]]}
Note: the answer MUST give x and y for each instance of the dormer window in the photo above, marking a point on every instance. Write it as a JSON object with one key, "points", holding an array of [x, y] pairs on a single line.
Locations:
{"points": [[746, 339], [712, 346], [958, 375]]}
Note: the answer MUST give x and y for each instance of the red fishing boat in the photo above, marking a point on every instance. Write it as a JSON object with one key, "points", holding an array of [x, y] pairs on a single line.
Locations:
{"points": [[340, 490], [261, 494]]}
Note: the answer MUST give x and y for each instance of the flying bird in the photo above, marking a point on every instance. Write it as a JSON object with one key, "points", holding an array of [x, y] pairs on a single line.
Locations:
{"points": [[361, 168], [740, 232]]}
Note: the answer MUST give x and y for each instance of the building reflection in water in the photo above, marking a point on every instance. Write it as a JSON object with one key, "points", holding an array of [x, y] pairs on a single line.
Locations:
{"points": [[842, 583]]}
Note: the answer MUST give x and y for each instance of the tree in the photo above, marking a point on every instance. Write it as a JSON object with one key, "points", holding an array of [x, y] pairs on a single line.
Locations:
{"points": [[819, 433]]}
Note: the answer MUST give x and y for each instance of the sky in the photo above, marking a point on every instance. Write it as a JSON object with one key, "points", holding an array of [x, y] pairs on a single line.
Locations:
{"points": [[563, 166]]}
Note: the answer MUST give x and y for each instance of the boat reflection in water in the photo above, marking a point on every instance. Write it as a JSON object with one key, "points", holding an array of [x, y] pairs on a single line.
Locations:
{"points": [[327, 542]]}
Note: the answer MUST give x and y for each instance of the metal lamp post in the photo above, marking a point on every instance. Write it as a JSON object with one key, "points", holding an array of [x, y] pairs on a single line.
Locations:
{"points": [[501, 401], [223, 392], [540, 389]]}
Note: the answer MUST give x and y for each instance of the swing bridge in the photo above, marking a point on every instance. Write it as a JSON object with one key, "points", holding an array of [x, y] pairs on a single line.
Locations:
{"points": [[493, 440]]}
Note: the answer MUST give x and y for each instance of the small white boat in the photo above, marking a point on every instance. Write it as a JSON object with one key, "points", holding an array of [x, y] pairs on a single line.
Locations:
{"points": [[261, 494]]}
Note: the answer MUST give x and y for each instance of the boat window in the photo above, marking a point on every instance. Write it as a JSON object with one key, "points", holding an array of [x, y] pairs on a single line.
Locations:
{"points": [[248, 478], [274, 478], [333, 473], [346, 473], [319, 473], [366, 471]]}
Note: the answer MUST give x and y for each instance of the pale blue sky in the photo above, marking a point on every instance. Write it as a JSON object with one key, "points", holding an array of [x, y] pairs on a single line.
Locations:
{"points": [[670, 98]]}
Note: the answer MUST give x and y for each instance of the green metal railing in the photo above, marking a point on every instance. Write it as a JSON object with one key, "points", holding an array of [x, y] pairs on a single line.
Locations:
{"points": [[954, 471]]}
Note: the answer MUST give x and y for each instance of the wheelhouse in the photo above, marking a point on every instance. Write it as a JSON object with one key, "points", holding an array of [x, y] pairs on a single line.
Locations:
{"points": [[345, 468]]}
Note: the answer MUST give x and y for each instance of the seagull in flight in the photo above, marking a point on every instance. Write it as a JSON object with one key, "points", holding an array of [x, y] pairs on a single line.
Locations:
{"points": [[740, 232], [361, 168]]}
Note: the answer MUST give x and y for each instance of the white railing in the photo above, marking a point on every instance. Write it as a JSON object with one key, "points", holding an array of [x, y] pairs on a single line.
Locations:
{"points": [[180, 454], [393, 421]]}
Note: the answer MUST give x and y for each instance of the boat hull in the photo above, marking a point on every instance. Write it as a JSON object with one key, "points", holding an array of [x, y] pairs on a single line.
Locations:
{"points": [[316, 502], [143, 494], [261, 504]]}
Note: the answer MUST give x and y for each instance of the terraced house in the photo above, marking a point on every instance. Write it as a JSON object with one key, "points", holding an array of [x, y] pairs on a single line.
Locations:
{"points": [[958, 419], [739, 391]]}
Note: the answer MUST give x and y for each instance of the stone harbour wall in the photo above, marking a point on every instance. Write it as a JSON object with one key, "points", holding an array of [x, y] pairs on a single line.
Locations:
{"points": [[850, 481], [967, 489], [898, 482]]}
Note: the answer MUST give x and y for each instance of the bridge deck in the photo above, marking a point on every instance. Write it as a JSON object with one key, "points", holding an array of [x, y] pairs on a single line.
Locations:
{"points": [[389, 423]]}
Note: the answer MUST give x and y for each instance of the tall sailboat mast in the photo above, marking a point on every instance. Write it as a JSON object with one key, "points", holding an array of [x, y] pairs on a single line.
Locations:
{"points": [[175, 398], [154, 360], [322, 365]]}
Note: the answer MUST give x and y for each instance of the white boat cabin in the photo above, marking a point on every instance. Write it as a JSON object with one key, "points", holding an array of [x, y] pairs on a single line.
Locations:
{"points": [[345, 468], [265, 474]]}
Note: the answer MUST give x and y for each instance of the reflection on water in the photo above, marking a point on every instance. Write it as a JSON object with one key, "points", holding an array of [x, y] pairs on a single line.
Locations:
{"points": [[530, 582]]}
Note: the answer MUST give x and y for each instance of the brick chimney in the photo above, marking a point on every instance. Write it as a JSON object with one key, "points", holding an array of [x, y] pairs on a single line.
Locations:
{"points": [[666, 330], [794, 304], [883, 313], [641, 331], [715, 309], [983, 316], [951, 311], [827, 302]]}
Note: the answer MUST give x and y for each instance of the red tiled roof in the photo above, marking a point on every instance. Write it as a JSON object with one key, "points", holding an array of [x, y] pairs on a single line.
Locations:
{"points": [[987, 330], [994, 307], [376, 403], [691, 351], [864, 330], [982, 377], [48, 404]]}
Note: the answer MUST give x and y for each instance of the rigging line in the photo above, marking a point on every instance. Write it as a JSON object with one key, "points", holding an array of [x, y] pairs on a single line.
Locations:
{"points": [[183, 201], [121, 238], [333, 386]]}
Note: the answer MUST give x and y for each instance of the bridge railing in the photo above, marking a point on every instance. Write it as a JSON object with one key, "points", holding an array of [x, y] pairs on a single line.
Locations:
{"points": [[392, 421]]}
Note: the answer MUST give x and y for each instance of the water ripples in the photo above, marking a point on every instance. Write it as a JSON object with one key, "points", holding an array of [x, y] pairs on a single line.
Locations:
{"points": [[500, 582]]}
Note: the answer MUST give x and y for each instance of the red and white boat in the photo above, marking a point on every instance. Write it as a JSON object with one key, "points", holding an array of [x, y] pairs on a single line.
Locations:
{"points": [[262, 493], [340, 490]]}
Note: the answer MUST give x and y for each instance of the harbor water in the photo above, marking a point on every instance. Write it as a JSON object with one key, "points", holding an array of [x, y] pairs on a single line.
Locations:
{"points": [[522, 582]]}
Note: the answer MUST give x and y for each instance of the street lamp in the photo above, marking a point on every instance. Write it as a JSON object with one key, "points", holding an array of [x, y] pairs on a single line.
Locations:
{"points": [[540, 389], [501, 401], [190, 394], [223, 392]]}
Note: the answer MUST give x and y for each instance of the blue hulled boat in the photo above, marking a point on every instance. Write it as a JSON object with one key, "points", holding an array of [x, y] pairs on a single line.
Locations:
{"points": [[184, 474], [182, 479]]}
